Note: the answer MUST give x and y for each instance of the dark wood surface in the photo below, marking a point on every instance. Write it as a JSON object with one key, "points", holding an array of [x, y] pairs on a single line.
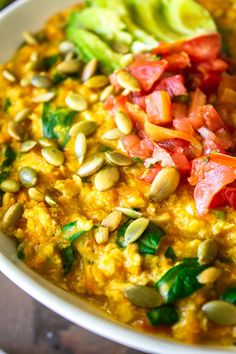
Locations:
{"points": [[27, 327]]}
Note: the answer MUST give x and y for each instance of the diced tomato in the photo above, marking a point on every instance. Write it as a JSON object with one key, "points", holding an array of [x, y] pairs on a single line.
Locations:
{"points": [[213, 65], [211, 174], [203, 48], [211, 118], [139, 100], [161, 156], [221, 137], [229, 194], [183, 125], [181, 161], [149, 175], [209, 146], [209, 82], [147, 72], [218, 201], [178, 61], [158, 107], [174, 85], [115, 103], [135, 147], [179, 110], [198, 100]]}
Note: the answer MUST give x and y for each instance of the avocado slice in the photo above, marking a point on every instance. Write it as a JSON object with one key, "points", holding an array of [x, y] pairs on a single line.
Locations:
{"points": [[187, 17]]}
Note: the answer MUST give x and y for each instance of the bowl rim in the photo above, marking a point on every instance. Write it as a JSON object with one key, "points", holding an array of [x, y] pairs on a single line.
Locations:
{"points": [[70, 306]]}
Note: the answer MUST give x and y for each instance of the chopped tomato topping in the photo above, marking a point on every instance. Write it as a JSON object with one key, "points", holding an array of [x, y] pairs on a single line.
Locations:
{"points": [[179, 110], [183, 125], [198, 100], [174, 85], [178, 61], [181, 161], [147, 72], [203, 48], [158, 107], [211, 118], [136, 147], [210, 175], [115, 103], [149, 175]]}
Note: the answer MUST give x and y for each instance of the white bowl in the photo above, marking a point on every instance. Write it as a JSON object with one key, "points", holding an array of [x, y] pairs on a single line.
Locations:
{"points": [[30, 15]]}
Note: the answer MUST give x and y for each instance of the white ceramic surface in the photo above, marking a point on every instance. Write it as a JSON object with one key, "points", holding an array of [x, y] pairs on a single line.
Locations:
{"points": [[30, 15]]}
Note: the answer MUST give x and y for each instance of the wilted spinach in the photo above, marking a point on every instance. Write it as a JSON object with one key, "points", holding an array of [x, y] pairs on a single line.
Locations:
{"points": [[7, 105], [49, 61], [180, 281], [68, 256], [170, 254], [56, 123], [163, 315], [229, 295]]}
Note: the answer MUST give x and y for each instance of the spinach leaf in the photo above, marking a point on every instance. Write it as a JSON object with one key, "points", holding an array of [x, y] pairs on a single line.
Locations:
{"points": [[3, 176], [163, 315], [229, 295], [58, 78], [49, 61], [170, 254], [120, 239], [7, 105], [68, 258], [10, 156], [149, 242], [56, 124], [180, 281]]}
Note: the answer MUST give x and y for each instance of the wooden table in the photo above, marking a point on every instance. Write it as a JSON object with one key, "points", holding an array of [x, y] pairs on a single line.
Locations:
{"points": [[27, 327]]}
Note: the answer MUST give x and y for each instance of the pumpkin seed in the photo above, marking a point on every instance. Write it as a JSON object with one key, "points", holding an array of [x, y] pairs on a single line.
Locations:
{"points": [[112, 134], [29, 38], [127, 81], [164, 184], [6, 74], [44, 142], [126, 59], [87, 127], [53, 156], [25, 82], [220, 312], [28, 145], [117, 159], [80, 147], [35, 195], [207, 251], [15, 130], [143, 296], [76, 102], [70, 66], [129, 212], [107, 178], [135, 230], [22, 115], [12, 215], [89, 69], [91, 167], [10, 185], [123, 122], [50, 201], [209, 275], [97, 82], [107, 91], [44, 97], [101, 234], [41, 81], [66, 47], [28, 176], [113, 220]]}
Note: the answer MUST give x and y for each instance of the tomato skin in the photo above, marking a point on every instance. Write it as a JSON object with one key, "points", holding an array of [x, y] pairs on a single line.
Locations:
{"points": [[158, 107], [181, 161], [203, 48], [140, 101], [210, 174], [227, 196], [115, 103], [211, 118], [209, 146], [178, 61], [149, 175], [174, 85], [183, 125], [147, 72]]}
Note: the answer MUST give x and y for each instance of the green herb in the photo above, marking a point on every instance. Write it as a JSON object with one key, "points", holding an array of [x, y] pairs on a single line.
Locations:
{"points": [[170, 254], [149, 242], [49, 61], [7, 105], [68, 226], [68, 257], [20, 251], [137, 159], [3, 176], [181, 99], [164, 315], [229, 295], [58, 78], [56, 124], [206, 159], [10, 156], [180, 281], [219, 214], [76, 235]]}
